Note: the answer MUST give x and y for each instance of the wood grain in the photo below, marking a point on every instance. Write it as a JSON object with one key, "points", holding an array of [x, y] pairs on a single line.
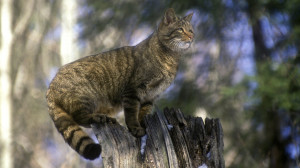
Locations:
{"points": [[173, 140]]}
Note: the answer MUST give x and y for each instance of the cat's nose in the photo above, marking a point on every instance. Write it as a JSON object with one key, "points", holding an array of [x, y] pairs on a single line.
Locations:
{"points": [[190, 36]]}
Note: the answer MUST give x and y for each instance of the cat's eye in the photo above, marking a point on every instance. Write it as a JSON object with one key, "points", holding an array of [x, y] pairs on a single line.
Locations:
{"points": [[191, 31], [180, 30]]}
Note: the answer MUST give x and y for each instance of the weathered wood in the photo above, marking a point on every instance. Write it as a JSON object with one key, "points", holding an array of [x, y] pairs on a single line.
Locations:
{"points": [[173, 140]]}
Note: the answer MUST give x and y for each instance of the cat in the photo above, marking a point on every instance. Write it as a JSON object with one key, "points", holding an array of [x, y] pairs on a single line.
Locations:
{"points": [[94, 88]]}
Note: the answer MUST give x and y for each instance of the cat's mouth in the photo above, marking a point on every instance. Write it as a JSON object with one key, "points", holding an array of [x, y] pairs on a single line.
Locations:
{"points": [[180, 45], [185, 45]]}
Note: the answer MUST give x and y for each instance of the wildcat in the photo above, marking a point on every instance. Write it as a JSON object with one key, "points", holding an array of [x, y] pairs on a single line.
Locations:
{"points": [[94, 88]]}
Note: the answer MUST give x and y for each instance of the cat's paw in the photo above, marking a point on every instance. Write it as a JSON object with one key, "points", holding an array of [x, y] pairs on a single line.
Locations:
{"points": [[111, 120], [137, 131], [100, 118]]}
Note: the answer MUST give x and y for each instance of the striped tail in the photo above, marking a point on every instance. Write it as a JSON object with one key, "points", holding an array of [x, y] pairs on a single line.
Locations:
{"points": [[73, 134]]}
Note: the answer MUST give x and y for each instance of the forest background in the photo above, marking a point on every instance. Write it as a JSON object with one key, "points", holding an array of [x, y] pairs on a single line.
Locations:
{"points": [[243, 67]]}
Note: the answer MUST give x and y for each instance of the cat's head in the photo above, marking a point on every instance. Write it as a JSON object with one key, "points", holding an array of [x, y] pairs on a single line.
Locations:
{"points": [[174, 32]]}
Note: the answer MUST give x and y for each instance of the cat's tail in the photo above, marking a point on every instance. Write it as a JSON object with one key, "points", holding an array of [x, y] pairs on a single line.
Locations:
{"points": [[73, 134]]}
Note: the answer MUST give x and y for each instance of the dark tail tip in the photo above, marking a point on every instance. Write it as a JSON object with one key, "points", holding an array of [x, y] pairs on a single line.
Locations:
{"points": [[92, 151]]}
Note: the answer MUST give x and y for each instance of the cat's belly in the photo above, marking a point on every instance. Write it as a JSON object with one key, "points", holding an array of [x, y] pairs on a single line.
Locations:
{"points": [[108, 108]]}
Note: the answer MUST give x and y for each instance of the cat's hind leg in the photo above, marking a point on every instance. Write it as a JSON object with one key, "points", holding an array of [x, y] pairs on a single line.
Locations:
{"points": [[86, 117]]}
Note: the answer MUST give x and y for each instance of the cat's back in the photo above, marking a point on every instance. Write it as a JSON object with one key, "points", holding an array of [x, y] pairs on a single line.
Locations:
{"points": [[99, 74]]}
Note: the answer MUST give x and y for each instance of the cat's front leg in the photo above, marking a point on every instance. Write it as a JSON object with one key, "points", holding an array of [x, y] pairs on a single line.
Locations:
{"points": [[131, 105], [146, 108]]}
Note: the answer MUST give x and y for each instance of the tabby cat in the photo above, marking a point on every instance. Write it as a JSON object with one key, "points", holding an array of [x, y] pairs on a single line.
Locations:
{"points": [[94, 88]]}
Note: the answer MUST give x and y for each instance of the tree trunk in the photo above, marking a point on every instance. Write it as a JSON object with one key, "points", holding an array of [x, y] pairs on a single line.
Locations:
{"points": [[68, 46], [276, 145], [172, 140], [5, 83]]}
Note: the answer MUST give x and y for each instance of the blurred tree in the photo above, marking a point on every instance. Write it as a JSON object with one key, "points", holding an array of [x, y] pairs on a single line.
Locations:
{"points": [[277, 84], [30, 24], [5, 84], [68, 43]]}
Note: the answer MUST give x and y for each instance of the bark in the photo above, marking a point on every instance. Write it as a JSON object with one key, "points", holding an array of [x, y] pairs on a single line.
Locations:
{"points": [[173, 140]]}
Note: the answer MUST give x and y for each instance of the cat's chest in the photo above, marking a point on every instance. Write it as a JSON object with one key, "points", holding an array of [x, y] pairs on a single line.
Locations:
{"points": [[151, 89]]}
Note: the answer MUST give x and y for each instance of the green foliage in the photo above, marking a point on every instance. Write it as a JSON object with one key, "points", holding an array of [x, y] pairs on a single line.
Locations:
{"points": [[274, 103], [278, 87]]}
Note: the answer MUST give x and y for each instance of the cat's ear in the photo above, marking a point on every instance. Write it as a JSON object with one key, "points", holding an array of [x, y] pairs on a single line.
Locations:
{"points": [[170, 16], [188, 17]]}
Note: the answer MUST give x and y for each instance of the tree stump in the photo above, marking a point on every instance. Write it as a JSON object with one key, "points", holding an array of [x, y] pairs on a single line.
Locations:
{"points": [[173, 140]]}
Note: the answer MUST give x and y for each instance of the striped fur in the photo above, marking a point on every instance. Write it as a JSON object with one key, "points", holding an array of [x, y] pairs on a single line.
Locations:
{"points": [[94, 88]]}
